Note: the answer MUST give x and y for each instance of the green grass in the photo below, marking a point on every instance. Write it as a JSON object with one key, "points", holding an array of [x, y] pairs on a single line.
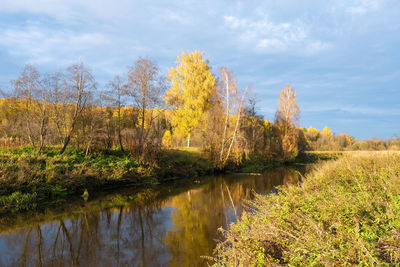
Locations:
{"points": [[28, 179], [318, 156], [182, 163], [259, 163], [345, 213]]}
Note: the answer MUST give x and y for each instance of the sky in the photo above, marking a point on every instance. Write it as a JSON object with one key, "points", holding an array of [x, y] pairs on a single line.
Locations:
{"points": [[341, 56]]}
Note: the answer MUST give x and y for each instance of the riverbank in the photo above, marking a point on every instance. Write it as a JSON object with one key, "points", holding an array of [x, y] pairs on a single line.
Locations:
{"points": [[148, 226], [259, 164], [28, 180], [345, 213]]}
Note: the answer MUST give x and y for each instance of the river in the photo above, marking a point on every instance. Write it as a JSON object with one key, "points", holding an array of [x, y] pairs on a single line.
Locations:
{"points": [[169, 226]]}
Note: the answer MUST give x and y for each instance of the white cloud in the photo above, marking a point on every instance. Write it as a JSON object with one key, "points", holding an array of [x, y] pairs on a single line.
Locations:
{"points": [[316, 46], [271, 44], [75, 12], [234, 22], [372, 110], [174, 16], [266, 36], [359, 110], [39, 45], [364, 6], [271, 82]]}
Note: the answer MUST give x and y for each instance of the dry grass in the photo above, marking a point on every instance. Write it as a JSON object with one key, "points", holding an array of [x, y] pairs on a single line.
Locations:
{"points": [[345, 213]]}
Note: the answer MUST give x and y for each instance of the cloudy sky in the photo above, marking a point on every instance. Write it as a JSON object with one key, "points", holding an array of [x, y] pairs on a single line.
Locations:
{"points": [[341, 56]]}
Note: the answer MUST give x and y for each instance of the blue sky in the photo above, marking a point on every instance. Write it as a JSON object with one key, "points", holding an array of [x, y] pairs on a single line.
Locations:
{"points": [[342, 56]]}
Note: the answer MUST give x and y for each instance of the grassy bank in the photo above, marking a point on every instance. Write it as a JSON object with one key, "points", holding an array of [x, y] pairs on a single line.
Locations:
{"points": [[27, 179], [259, 163], [345, 213]]}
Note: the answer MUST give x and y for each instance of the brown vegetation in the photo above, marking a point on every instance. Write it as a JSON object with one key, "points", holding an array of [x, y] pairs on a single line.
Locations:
{"points": [[345, 213]]}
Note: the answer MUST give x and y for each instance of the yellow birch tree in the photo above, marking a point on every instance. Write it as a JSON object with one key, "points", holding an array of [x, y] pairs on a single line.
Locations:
{"points": [[191, 88]]}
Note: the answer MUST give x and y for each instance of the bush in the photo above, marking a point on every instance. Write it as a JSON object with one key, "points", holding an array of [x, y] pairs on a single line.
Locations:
{"points": [[18, 201]]}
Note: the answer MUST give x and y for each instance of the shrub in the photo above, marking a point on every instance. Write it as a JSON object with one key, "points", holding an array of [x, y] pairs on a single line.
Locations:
{"points": [[18, 201]]}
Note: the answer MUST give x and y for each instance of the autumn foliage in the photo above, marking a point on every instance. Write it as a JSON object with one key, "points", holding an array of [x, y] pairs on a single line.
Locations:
{"points": [[144, 112]]}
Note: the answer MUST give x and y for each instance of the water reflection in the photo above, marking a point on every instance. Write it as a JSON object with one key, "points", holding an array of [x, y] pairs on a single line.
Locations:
{"points": [[174, 230]]}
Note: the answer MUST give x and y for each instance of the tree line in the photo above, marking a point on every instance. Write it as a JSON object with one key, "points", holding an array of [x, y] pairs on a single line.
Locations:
{"points": [[143, 112], [325, 140]]}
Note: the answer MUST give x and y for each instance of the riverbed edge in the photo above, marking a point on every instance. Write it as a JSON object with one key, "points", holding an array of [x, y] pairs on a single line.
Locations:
{"points": [[29, 181], [344, 213]]}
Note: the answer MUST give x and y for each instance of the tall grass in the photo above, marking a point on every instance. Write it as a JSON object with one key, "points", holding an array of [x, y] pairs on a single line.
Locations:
{"points": [[345, 213]]}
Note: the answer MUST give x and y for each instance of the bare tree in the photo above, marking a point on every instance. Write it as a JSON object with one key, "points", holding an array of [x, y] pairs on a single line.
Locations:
{"points": [[288, 113], [238, 116], [94, 122], [253, 126], [33, 92], [230, 85], [42, 102], [145, 85], [59, 104], [287, 117], [25, 85], [78, 85], [117, 87], [233, 103]]}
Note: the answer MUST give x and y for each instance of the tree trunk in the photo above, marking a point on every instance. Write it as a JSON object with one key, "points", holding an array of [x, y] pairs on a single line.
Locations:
{"points": [[66, 141], [143, 120], [120, 141], [119, 130], [188, 141], [68, 138], [90, 140], [88, 147], [226, 119], [42, 134], [28, 126], [40, 144], [236, 128]]}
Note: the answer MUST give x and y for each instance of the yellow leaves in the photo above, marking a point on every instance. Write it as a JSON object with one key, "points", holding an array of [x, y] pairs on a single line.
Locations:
{"points": [[289, 145], [167, 139], [394, 147], [312, 130], [326, 131], [192, 84], [349, 140], [312, 133]]}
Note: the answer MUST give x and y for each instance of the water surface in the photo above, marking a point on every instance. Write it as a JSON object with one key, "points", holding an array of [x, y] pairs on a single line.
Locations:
{"points": [[173, 227]]}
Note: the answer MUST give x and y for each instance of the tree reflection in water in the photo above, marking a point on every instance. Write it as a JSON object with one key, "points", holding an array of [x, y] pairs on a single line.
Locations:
{"points": [[175, 230]]}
